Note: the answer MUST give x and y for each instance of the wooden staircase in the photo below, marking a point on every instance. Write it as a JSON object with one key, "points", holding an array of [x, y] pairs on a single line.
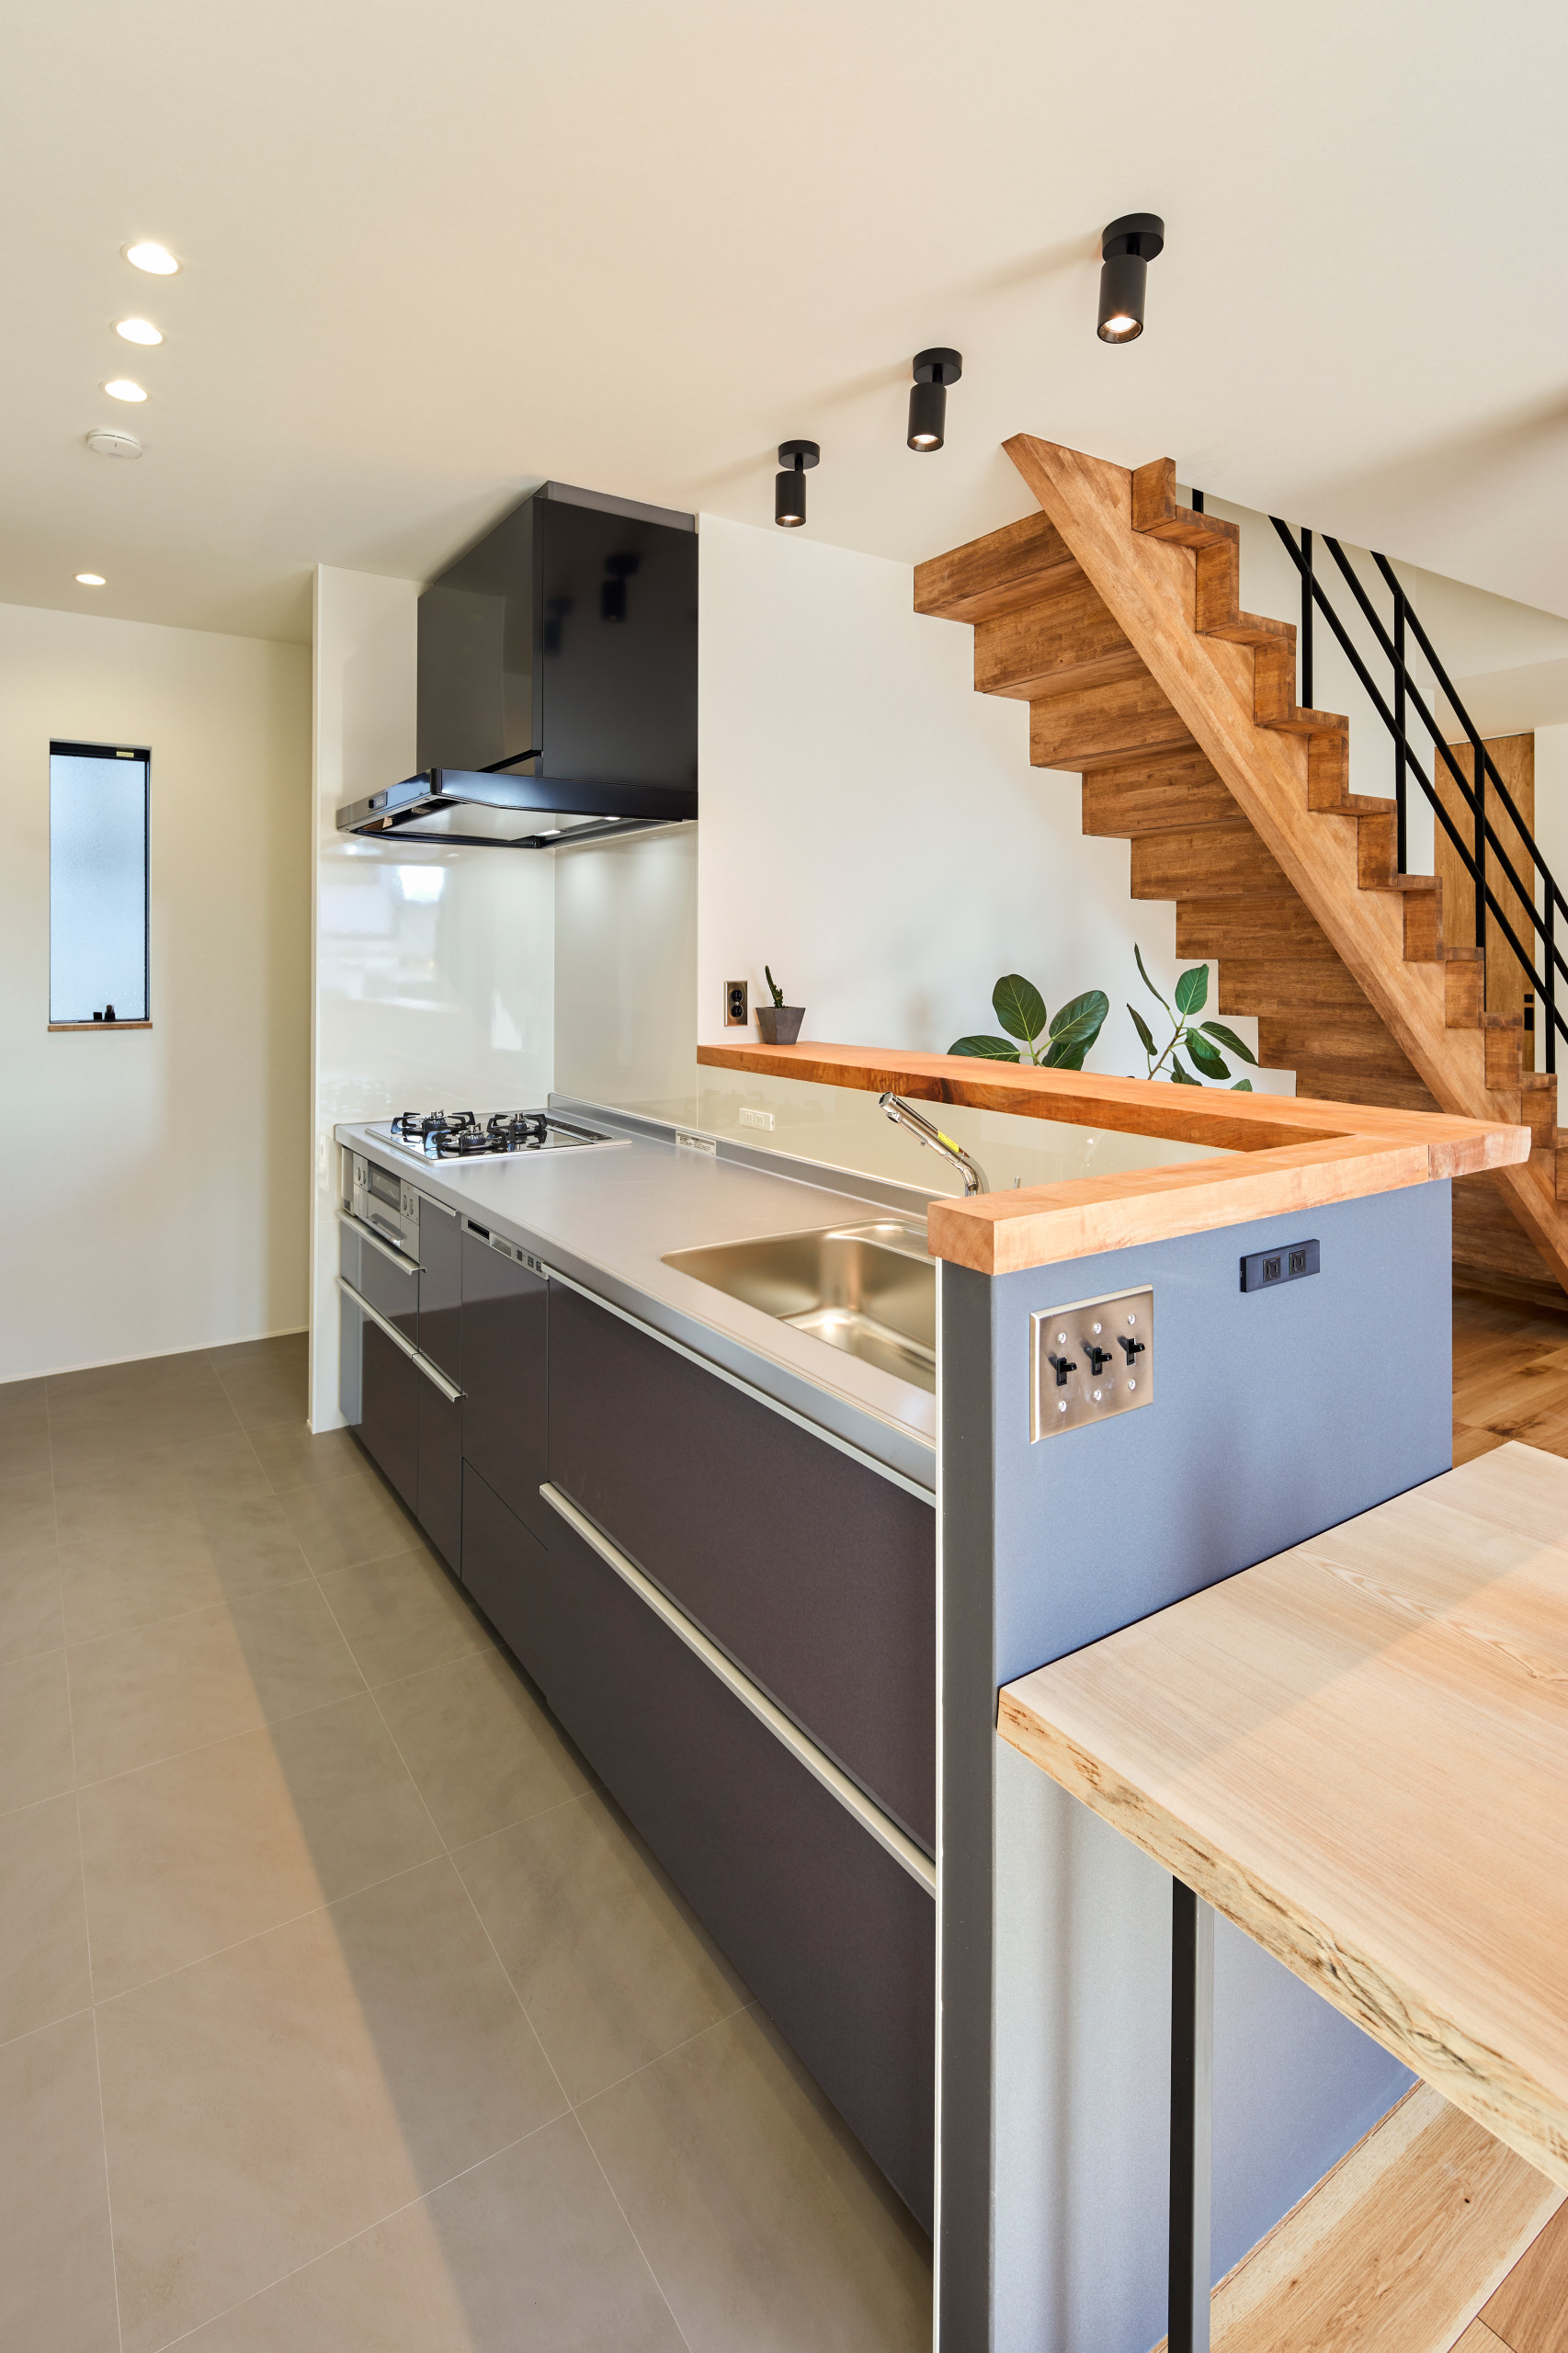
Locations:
{"points": [[1114, 613]]}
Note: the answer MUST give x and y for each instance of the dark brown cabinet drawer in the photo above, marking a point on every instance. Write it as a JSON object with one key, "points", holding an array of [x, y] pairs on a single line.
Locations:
{"points": [[505, 1310], [507, 1572], [834, 1936], [389, 1402], [814, 1572]]}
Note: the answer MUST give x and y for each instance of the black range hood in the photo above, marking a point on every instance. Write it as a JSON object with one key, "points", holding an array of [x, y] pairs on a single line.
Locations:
{"points": [[557, 680]]}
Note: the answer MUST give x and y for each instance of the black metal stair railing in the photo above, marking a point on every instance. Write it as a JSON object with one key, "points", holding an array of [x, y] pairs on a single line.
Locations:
{"points": [[1485, 852]]}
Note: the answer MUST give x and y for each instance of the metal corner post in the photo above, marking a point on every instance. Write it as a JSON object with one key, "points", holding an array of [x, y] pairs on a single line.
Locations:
{"points": [[1192, 2134]]}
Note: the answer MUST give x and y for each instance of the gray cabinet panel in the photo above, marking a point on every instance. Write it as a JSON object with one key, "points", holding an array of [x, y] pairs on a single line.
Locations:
{"points": [[507, 1572], [836, 1939], [816, 1575], [440, 1287], [505, 1329], [441, 1471], [389, 1409]]}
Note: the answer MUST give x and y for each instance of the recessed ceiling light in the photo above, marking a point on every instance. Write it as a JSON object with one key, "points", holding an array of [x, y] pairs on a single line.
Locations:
{"points": [[156, 260], [120, 388], [90, 579], [138, 330]]}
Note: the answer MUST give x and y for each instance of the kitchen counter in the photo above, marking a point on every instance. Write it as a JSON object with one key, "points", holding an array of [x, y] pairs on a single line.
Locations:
{"points": [[604, 1217], [1289, 1153]]}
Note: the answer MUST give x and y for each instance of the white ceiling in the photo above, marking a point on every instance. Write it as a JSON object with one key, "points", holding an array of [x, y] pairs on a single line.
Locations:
{"points": [[434, 254]]}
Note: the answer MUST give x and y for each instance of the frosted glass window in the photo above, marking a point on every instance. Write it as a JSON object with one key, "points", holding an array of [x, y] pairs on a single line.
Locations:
{"points": [[97, 883]]}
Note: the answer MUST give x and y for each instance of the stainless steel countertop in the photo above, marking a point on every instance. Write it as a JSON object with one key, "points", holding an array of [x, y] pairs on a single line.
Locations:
{"points": [[606, 1218]]}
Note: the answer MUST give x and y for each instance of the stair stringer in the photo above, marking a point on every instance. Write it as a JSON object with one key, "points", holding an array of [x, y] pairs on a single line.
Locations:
{"points": [[1149, 585]]}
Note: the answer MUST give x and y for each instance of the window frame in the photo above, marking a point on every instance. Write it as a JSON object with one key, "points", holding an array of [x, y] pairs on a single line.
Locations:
{"points": [[63, 748]]}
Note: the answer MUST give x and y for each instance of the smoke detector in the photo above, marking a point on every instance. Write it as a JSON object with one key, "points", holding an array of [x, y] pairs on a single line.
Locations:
{"points": [[109, 442]]}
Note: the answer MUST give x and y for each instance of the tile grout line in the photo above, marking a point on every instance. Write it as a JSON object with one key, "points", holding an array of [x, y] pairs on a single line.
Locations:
{"points": [[86, 1918], [363, 2232]]}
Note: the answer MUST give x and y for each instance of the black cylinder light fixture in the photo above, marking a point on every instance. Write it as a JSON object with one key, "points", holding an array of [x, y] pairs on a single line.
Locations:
{"points": [[789, 486], [934, 372], [1127, 248]]}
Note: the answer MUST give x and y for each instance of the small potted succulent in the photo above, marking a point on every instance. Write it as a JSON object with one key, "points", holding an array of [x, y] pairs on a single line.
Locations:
{"points": [[779, 1023]]}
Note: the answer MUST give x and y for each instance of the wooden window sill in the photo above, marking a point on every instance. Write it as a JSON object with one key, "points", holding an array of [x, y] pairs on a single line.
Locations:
{"points": [[100, 1025]]}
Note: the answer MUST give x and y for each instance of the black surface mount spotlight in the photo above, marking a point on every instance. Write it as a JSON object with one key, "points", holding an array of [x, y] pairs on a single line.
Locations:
{"points": [[1127, 248], [934, 372], [790, 487]]}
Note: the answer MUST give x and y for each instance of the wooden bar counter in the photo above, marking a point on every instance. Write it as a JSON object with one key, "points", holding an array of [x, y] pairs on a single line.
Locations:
{"points": [[1292, 1155]]}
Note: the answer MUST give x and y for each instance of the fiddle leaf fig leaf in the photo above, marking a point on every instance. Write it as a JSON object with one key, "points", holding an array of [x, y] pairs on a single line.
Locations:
{"points": [[1060, 1057], [1229, 1039], [1192, 990], [1204, 1056], [1148, 983], [1020, 1008], [1242, 1087], [1181, 1077], [1142, 1028], [1080, 1020], [989, 1049]]}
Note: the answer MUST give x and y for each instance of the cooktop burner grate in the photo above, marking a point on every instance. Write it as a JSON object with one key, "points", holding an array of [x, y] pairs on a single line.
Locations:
{"points": [[469, 1135]]}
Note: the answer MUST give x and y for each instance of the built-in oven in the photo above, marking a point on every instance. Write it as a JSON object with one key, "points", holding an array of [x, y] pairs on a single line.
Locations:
{"points": [[400, 1388]]}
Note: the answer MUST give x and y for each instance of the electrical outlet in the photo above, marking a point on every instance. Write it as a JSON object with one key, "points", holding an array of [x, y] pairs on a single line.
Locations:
{"points": [[1267, 1267], [737, 1004], [1090, 1361], [750, 1119]]}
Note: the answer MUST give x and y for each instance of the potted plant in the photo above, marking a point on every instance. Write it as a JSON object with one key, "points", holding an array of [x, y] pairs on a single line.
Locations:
{"points": [[779, 1023]]}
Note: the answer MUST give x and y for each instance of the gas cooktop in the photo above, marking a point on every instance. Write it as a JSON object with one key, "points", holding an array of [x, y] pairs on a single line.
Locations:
{"points": [[470, 1135]]}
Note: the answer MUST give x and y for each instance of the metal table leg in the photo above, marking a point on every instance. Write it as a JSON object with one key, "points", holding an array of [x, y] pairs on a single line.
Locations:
{"points": [[1192, 2088]]}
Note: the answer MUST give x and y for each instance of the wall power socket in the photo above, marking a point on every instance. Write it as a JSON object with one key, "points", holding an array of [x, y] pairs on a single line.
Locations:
{"points": [[750, 1119]]}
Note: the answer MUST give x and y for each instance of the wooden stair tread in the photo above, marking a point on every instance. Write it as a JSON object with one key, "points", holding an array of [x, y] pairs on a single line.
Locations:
{"points": [[998, 574], [1412, 2236]]}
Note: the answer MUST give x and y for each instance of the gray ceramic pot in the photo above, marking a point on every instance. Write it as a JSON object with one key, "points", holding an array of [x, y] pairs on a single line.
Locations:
{"points": [[780, 1024]]}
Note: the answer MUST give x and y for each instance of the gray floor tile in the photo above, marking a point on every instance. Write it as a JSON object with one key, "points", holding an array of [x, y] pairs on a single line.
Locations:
{"points": [[114, 1429], [185, 1858], [24, 1429], [26, 1517], [481, 1747], [265, 1381], [766, 2225], [56, 2268], [528, 2250], [269, 2103], [611, 1965], [177, 1529], [35, 1730], [342, 1521], [402, 1613], [186, 1373], [293, 1456], [30, 1616], [43, 1929], [186, 1681]]}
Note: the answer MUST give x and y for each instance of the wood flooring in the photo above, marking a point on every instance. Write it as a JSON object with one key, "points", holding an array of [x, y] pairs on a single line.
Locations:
{"points": [[1510, 1376]]}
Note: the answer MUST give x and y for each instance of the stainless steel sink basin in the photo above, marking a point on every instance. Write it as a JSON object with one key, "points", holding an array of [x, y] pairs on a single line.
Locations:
{"points": [[870, 1290]]}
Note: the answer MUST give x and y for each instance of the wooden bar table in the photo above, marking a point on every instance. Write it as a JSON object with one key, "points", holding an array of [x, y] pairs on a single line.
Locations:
{"points": [[1357, 1752]]}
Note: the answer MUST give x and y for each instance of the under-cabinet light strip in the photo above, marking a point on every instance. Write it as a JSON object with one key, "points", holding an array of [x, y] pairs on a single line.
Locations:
{"points": [[829, 1438], [837, 1783], [417, 1356]]}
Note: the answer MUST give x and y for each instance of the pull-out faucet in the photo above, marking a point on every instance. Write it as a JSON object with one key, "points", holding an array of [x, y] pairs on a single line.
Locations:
{"points": [[974, 1177]]}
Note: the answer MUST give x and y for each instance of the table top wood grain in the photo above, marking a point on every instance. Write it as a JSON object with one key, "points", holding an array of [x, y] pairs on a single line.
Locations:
{"points": [[1357, 1751]]}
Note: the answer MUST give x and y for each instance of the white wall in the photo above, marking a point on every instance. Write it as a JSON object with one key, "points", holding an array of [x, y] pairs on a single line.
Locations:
{"points": [[871, 828], [626, 970], [433, 967], [154, 1190]]}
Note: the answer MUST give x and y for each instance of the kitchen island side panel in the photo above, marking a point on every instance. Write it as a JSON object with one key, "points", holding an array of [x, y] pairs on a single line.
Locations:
{"points": [[1275, 1414]]}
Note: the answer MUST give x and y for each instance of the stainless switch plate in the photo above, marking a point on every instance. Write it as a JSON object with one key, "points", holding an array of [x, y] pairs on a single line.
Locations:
{"points": [[1066, 1394]]}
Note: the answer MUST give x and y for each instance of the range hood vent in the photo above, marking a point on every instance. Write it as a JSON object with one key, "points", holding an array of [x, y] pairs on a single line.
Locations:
{"points": [[557, 681]]}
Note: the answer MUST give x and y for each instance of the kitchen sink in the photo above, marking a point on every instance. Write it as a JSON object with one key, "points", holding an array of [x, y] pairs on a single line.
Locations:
{"points": [[869, 1290]]}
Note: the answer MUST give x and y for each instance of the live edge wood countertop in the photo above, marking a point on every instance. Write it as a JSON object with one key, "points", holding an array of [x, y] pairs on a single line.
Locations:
{"points": [[1357, 1751], [1292, 1155]]}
